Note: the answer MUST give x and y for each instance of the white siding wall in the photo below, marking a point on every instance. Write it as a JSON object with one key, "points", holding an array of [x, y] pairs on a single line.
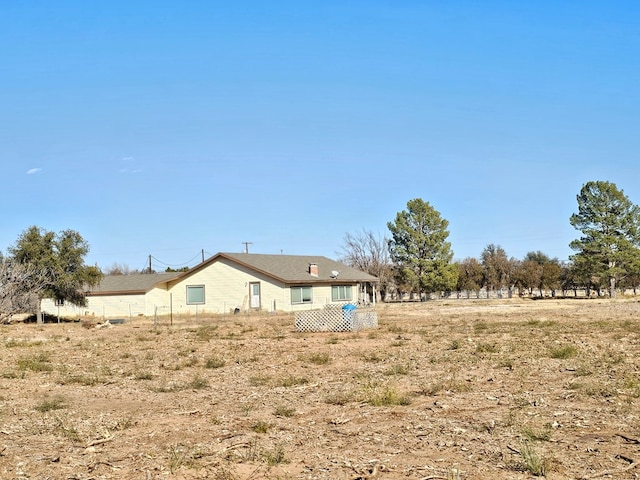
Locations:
{"points": [[68, 311], [226, 288], [158, 301], [110, 306], [116, 306]]}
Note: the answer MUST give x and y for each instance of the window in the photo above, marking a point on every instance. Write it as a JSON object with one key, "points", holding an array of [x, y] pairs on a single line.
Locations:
{"points": [[301, 295], [195, 294], [341, 293]]}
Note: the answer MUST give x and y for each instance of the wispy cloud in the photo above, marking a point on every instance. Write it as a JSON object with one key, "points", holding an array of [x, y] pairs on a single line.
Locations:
{"points": [[34, 171], [130, 165]]}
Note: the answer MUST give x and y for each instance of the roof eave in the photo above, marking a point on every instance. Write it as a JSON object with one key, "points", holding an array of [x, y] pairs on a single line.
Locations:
{"points": [[115, 292]]}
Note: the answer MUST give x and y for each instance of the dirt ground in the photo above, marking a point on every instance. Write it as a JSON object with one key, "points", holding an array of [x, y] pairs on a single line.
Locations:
{"points": [[457, 389]]}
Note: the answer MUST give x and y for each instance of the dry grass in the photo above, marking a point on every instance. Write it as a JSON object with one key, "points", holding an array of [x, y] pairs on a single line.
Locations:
{"points": [[448, 389]]}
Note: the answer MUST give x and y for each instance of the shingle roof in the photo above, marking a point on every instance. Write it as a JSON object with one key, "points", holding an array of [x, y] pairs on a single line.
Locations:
{"points": [[295, 268], [289, 269], [134, 283]]}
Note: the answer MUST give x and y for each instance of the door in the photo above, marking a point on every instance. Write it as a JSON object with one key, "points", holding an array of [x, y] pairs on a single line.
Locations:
{"points": [[254, 294]]}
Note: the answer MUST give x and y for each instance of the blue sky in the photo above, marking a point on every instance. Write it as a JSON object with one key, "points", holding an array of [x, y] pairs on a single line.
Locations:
{"points": [[165, 128]]}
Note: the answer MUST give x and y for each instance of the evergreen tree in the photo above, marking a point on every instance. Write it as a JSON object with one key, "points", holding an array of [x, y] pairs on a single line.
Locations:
{"points": [[610, 227], [60, 259], [420, 250]]}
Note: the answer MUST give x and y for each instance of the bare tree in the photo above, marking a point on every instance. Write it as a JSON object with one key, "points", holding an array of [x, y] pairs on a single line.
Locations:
{"points": [[21, 286], [469, 276], [120, 269], [498, 269], [528, 275], [368, 252]]}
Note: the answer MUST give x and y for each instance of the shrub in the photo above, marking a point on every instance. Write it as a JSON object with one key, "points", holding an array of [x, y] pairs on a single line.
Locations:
{"points": [[55, 403], [143, 376], [206, 332], [534, 463], [291, 381], [340, 398], [387, 397], [85, 380], [198, 383], [397, 370], [563, 352], [258, 380], [36, 363], [537, 435], [260, 426], [320, 358], [486, 348], [214, 362], [284, 411], [274, 457]]}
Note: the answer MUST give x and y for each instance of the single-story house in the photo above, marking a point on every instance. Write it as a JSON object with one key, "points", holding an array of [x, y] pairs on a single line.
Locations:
{"points": [[227, 282]]}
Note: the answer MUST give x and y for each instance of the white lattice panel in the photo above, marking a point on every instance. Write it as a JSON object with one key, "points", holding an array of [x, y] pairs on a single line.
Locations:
{"points": [[334, 319]]}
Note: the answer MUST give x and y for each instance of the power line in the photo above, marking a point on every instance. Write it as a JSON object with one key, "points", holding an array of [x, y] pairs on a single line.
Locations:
{"points": [[148, 265], [183, 264]]}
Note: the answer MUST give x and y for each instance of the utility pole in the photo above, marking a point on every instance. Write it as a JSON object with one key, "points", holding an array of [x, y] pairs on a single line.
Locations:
{"points": [[246, 246], [150, 264]]}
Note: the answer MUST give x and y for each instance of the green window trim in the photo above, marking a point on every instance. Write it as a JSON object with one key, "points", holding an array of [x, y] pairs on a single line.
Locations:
{"points": [[301, 294], [341, 293], [195, 295]]}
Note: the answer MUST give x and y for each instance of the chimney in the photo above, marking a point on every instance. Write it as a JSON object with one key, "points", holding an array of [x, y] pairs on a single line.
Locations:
{"points": [[313, 269]]}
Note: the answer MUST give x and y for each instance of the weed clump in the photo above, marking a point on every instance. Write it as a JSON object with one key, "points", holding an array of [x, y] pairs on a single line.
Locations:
{"points": [[563, 352], [284, 411], [214, 362], [261, 427], [55, 403], [39, 362], [533, 462], [319, 358]]}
